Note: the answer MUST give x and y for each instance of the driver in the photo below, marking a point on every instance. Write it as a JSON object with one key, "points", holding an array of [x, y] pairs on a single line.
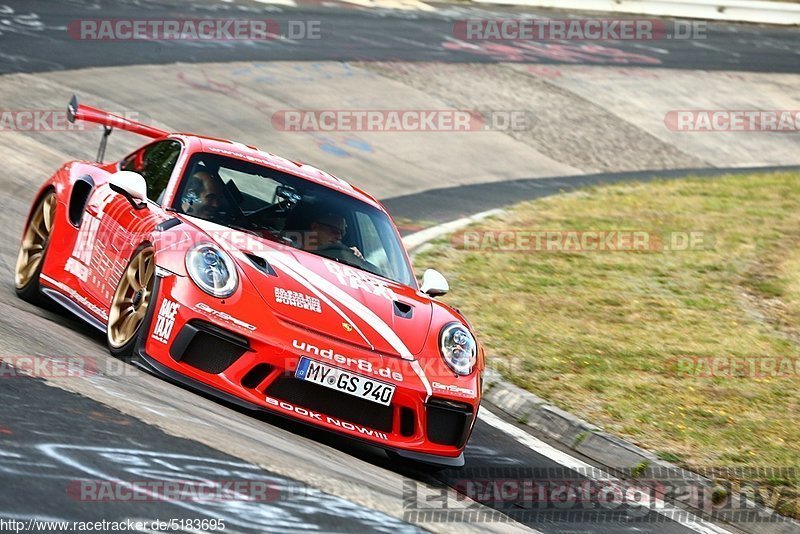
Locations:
{"points": [[327, 231], [204, 195]]}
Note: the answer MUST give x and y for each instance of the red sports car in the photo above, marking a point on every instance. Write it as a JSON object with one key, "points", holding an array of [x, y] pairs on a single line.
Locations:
{"points": [[263, 281]]}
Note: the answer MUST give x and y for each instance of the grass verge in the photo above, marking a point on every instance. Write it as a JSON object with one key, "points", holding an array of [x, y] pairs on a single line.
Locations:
{"points": [[628, 340]]}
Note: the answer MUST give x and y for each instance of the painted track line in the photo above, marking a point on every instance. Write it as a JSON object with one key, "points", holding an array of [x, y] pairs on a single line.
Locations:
{"points": [[678, 515]]}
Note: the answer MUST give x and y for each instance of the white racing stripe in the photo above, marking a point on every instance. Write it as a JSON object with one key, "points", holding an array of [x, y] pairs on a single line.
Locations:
{"points": [[319, 285], [317, 282], [309, 286], [212, 229], [364, 313], [680, 516]]}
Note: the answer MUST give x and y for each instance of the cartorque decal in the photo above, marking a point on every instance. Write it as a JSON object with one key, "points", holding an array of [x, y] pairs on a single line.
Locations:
{"points": [[205, 308], [451, 388]]}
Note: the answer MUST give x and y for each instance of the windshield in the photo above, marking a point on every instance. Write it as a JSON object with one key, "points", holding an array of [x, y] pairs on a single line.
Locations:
{"points": [[297, 212]]}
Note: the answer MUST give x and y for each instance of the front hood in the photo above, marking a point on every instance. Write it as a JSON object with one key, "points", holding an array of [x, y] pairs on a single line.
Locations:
{"points": [[328, 297]]}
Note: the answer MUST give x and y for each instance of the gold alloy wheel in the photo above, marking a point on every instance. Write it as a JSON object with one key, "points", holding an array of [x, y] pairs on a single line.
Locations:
{"points": [[34, 241], [130, 302]]}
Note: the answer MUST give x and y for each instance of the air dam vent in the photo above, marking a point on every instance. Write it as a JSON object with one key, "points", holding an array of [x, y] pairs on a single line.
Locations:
{"points": [[261, 264], [406, 422], [207, 348], [77, 200], [448, 422], [256, 375]]}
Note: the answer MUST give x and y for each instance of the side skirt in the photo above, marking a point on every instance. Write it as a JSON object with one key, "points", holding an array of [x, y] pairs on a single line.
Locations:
{"points": [[74, 308]]}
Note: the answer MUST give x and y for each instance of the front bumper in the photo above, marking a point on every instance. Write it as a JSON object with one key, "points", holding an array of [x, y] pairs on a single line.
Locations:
{"points": [[253, 366]]}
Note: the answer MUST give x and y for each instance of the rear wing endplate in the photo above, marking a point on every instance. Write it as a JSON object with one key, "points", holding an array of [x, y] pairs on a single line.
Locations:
{"points": [[80, 112]]}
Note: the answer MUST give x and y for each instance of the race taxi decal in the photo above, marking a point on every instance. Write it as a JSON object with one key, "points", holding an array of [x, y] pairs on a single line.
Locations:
{"points": [[298, 300], [357, 279], [165, 320], [316, 416]]}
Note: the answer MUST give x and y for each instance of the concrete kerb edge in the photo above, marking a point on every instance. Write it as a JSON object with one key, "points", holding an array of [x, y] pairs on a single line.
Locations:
{"points": [[570, 431]]}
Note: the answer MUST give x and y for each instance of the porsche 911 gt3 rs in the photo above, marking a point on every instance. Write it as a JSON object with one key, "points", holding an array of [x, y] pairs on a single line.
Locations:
{"points": [[262, 281]]}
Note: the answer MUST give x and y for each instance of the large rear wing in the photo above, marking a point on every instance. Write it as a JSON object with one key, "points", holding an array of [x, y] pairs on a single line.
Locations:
{"points": [[79, 112]]}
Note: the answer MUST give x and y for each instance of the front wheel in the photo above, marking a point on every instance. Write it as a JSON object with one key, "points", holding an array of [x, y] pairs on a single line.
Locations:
{"points": [[33, 248], [130, 303]]}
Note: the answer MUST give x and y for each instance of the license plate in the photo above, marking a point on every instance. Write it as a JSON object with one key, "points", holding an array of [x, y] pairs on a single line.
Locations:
{"points": [[344, 381]]}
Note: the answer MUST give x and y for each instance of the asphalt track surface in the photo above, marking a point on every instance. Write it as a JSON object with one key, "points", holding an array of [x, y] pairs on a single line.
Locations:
{"points": [[52, 438], [87, 442], [34, 37]]}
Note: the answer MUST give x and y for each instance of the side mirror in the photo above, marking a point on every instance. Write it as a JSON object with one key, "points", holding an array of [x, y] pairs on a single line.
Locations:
{"points": [[434, 283], [131, 185]]}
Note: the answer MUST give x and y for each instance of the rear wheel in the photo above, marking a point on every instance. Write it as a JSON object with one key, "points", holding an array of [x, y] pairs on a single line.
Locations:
{"points": [[130, 303], [32, 250]]}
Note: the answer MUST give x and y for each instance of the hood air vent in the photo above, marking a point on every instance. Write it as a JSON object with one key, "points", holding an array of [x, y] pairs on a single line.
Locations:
{"points": [[261, 264], [401, 309]]}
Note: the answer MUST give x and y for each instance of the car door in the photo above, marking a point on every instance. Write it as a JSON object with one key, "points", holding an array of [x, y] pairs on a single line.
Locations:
{"points": [[112, 228]]}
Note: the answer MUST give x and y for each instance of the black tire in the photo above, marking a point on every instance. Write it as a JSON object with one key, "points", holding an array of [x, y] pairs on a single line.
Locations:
{"points": [[29, 289]]}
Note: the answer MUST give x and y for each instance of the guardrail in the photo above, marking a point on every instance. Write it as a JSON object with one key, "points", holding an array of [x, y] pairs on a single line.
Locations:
{"points": [[756, 11]]}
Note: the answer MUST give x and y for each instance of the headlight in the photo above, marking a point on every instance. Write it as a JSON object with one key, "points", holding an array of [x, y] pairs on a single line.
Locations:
{"points": [[458, 348], [212, 270]]}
